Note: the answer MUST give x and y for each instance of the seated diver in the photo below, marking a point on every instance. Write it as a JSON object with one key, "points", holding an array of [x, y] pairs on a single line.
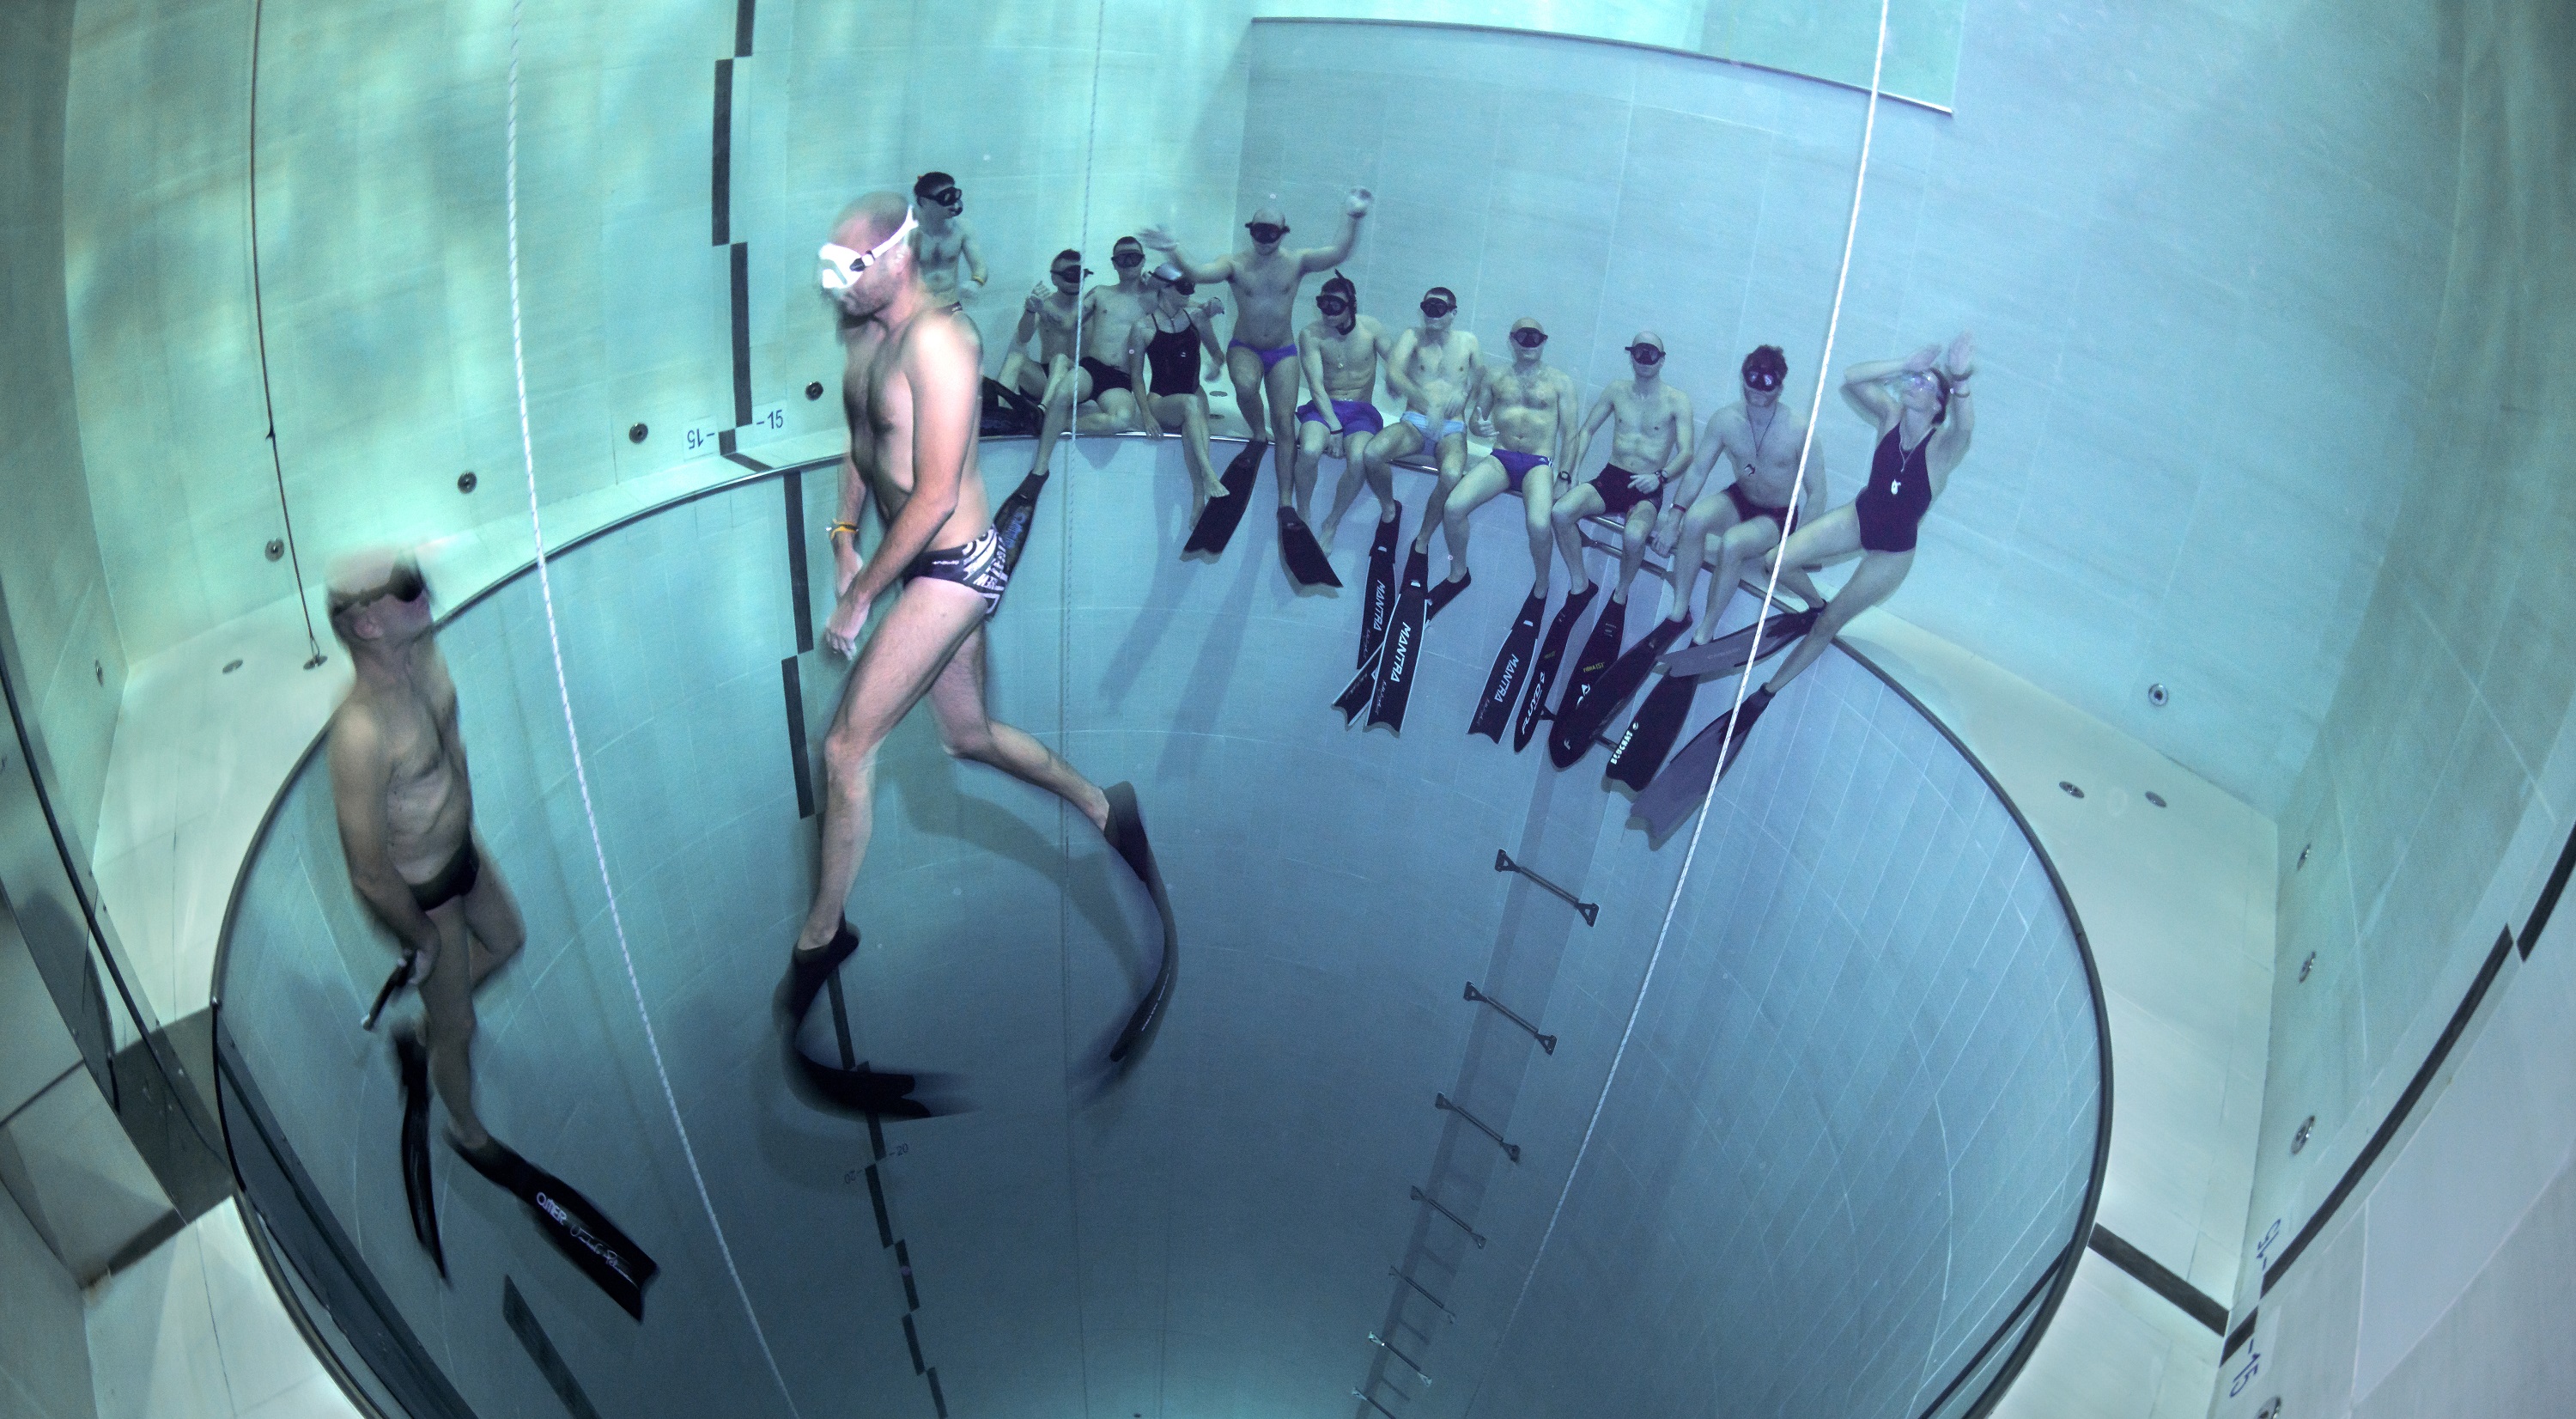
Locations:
{"points": [[1338, 354], [405, 807], [1170, 340], [1047, 317]]}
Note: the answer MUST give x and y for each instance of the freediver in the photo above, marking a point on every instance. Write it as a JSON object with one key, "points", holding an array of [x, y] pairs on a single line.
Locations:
{"points": [[1264, 278], [1747, 518], [945, 241], [1439, 371], [1047, 317], [1530, 405], [404, 800], [1165, 348], [1099, 378], [1650, 440], [1338, 353], [910, 390]]}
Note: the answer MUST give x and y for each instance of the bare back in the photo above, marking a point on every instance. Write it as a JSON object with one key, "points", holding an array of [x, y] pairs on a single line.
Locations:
{"points": [[886, 371]]}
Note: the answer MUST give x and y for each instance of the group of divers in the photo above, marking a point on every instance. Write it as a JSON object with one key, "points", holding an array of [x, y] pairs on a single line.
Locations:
{"points": [[1128, 355]]}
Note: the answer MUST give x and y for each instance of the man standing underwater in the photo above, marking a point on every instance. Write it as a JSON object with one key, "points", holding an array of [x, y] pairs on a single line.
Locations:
{"points": [[910, 389]]}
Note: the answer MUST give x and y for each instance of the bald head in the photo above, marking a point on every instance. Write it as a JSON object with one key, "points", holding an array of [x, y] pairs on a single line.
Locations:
{"points": [[1269, 216], [870, 220]]}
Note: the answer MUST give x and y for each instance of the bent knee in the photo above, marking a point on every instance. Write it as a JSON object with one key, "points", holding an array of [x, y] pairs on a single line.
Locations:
{"points": [[975, 742]]}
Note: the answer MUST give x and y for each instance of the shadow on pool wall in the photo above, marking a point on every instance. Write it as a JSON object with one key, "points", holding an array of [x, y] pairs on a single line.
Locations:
{"points": [[1858, 1121]]}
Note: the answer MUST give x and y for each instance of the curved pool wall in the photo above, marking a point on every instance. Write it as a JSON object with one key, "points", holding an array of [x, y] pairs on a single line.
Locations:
{"points": [[1856, 1126]]}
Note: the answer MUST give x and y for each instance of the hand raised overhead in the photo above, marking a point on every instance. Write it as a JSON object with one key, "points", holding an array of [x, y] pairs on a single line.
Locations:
{"points": [[1960, 361], [1359, 201]]}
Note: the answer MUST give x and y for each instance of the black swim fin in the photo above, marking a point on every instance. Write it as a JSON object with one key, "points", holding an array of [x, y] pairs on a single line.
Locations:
{"points": [[1126, 835], [393, 985], [862, 1090], [1011, 520], [1579, 726], [1551, 653], [1510, 675], [579, 1230], [411, 1063], [1400, 657], [1301, 553], [1685, 782], [1362, 689], [1217, 521], [806, 973], [1446, 592], [1379, 608], [1600, 649], [1725, 654], [1650, 734]]}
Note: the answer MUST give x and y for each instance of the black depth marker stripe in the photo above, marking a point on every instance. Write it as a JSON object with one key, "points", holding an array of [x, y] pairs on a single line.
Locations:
{"points": [[803, 769], [2236, 1338], [912, 1341], [741, 256], [2189, 1299], [938, 1401], [550, 1362], [903, 1268], [721, 170], [2539, 919], [742, 13], [876, 1198], [800, 596]]}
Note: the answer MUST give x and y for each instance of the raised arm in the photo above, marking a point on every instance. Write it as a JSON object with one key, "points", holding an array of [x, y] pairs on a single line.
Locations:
{"points": [[1865, 385], [359, 768], [1028, 326], [1324, 258], [1206, 273], [1958, 365]]}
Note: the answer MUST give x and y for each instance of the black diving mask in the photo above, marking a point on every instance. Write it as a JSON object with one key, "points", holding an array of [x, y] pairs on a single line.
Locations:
{"points": [[1265, 232], [1529, 339]]}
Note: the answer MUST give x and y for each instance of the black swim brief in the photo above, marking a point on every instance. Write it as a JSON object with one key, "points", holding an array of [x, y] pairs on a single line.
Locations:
{"points": [[1612, 483], [977, 566], [452, 881], [1746, 509], [1105, 377]]}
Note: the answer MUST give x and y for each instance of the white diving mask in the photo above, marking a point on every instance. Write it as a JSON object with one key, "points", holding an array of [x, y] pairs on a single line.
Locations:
{"points": [[841, 266]]}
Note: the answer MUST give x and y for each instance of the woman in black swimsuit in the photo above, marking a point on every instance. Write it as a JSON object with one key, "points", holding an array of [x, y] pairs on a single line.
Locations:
{"points": [[1924, 417], [1170, 341]]}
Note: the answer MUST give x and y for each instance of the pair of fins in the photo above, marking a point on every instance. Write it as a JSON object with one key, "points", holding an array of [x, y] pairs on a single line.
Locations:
{"points": [[1639, 752], [1684, 784], [596, 1246], [862, 1089], [1391, 627], [1516, 676], [1304, 557]]}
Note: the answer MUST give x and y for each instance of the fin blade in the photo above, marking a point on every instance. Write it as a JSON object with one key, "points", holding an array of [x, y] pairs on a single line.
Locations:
{"points": [[1217, 521], [1510, 675]]}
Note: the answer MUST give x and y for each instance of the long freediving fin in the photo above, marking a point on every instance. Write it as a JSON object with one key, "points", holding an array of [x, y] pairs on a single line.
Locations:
{"points": [[1685, 782], [1649, 737], [582, 1232], [1579, 725], [1380, 606], [1400, 656], [1011, 520], [420, 1186], [1599, 650], [1355, 696], [1301, 553], [1447, 591], [1725, 655], [1126, 835], [1217, 521], [1510, 675], [1551, 653]]}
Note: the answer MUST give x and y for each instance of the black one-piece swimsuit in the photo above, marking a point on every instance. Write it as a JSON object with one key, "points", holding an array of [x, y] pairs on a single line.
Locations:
{"points": [[1899, 493]]}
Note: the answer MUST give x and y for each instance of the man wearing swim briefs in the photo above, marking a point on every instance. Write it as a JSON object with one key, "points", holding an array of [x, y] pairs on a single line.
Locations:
{"points": [[405, 804], [1109, 312], [1438, 370], [1649, 443], [1047, 317], [1924, 417], [1339, 353], [910, 390], [944, 240], [1530, 405], [1261, 355], [1747, 518]]}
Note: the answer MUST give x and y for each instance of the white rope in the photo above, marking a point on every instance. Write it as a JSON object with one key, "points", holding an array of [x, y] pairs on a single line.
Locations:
{"points": [[581, 778], [1672, 905]]}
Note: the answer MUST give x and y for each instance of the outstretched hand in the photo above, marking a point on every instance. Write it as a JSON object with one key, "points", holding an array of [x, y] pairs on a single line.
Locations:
{"points": [[1921, 361], [1359, 202], [1961, 359], [1158, 237]]}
